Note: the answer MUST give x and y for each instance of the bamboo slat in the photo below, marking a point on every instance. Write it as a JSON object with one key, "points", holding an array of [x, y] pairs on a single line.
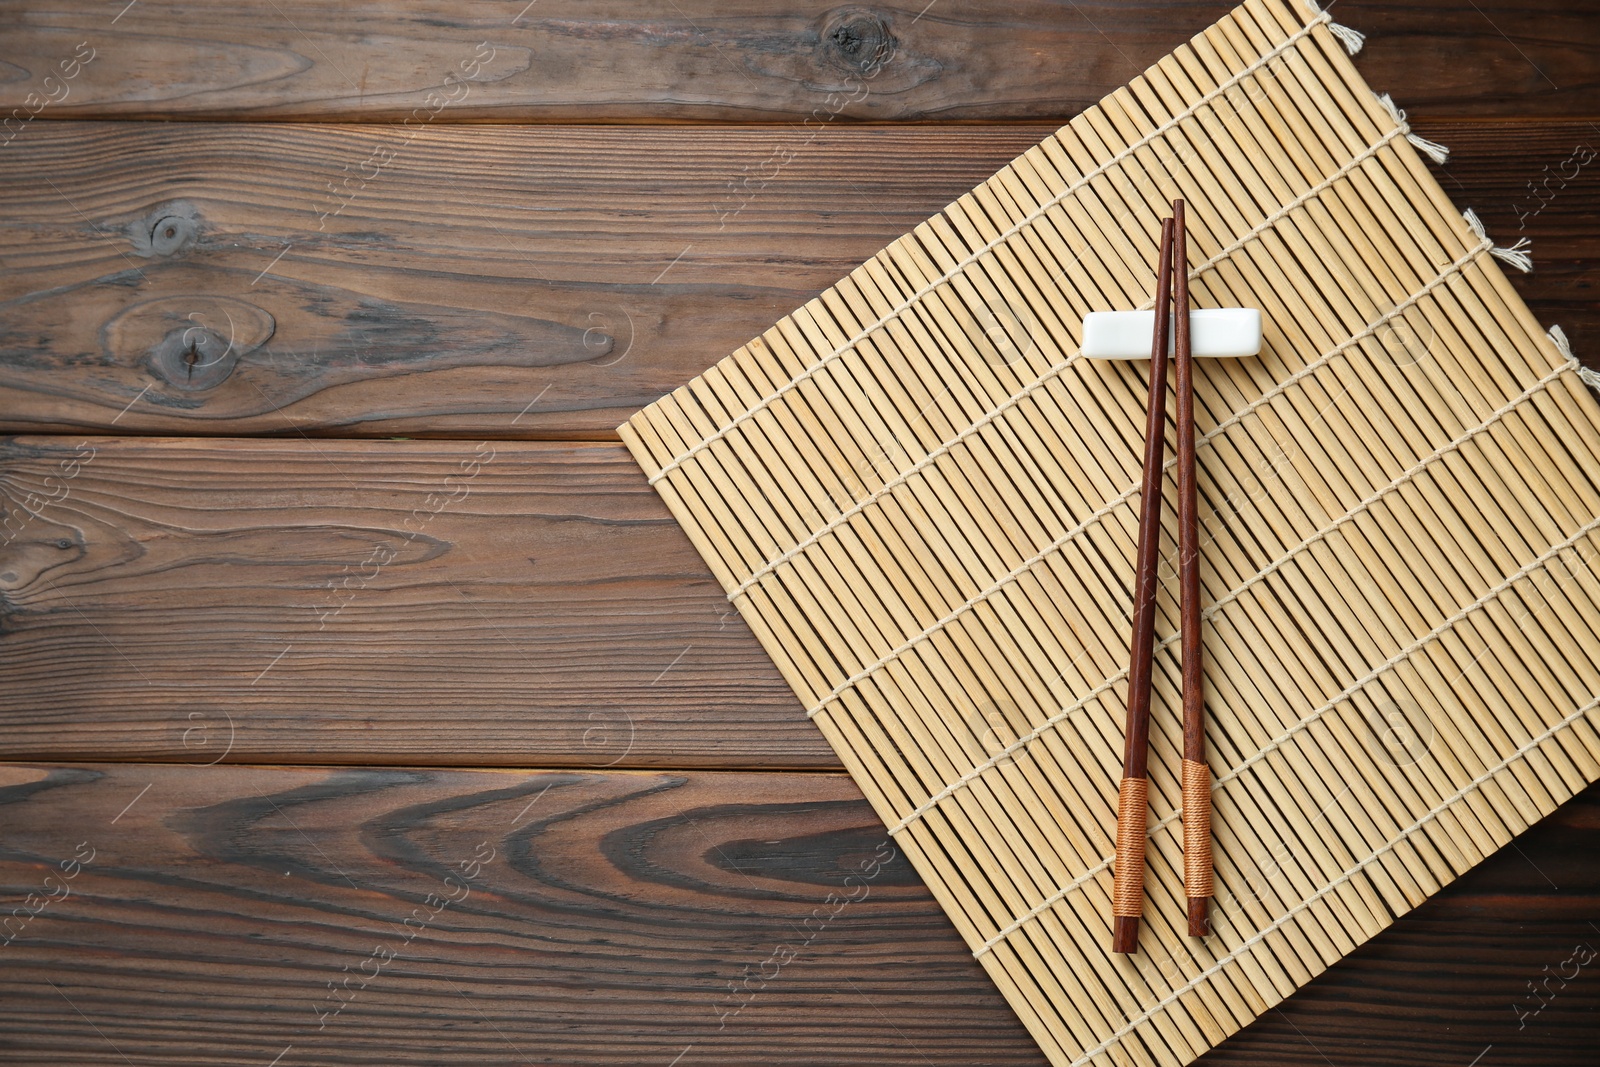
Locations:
{"points": [[924, 503]]}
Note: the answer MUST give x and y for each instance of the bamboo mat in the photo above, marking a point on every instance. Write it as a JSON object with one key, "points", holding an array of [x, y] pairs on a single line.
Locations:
{"points": [[924, 503]]}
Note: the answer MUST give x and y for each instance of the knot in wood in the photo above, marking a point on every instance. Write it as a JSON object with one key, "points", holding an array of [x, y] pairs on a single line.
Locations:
{"points": [[857, 40], [192, 342], [166, 229], [193, 358]]}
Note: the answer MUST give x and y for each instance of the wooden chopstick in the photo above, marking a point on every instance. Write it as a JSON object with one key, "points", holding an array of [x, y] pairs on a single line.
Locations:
{"points": [[1133, 795], [1196, 772]]}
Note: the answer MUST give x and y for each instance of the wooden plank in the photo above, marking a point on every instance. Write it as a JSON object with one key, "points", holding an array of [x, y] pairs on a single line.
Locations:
{"points": [[489, 280], [569, 60], [209, 911], [389, 602], [514, 281], [608, 916]]}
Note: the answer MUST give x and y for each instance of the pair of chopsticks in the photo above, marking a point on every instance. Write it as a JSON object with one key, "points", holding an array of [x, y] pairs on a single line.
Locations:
{"points": [[1127, 897]]}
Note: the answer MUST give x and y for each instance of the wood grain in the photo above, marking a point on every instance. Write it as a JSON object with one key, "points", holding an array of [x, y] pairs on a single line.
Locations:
{"points": [[388, 602], [209, 910], [505, 282], [606, 921], [310, 600], [514, 281], [569, 60]]}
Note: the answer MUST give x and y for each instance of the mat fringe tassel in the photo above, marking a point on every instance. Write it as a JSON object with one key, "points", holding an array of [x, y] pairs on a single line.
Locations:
{"points": [[1587, 375], [1516, 255], [1351, 39], [1432, 149]]}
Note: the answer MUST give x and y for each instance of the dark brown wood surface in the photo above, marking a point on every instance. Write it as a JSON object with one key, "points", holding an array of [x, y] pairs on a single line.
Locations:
{"points": [[470, 603], [519, 281], [200, 915], [503, 281], [581, 60], [281, 676]]}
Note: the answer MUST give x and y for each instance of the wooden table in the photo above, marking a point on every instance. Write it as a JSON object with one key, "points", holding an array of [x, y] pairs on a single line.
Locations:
{"points": [[363, 705]]}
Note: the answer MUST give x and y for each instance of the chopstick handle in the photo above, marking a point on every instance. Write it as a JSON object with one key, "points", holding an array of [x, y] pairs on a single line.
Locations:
{"points": [[1133, 794], [1196, 777], [1197, 887], [1127, 882]]}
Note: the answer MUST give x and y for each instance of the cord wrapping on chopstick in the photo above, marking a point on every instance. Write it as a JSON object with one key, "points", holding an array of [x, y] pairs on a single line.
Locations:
{"points": [[1197, 865], [1133, 807]]}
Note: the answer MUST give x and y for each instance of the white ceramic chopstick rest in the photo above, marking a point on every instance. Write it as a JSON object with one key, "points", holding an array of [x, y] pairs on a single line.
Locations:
{"points": [[1214, 333]]}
